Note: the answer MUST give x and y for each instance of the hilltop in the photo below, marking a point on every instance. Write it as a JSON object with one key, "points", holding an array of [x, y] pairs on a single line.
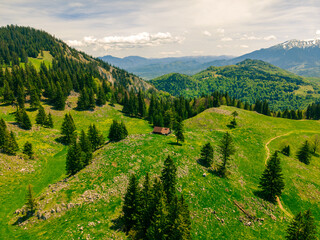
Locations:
{"points": [[248, 80], [23, 45], [88, 203]]}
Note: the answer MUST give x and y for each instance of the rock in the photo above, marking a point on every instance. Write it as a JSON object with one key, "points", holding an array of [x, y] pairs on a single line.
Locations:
{"points": [[70, 205], [38, 214], [45, 216], [81, 228], [17, 212], [58, 209], [273, 217], [63, 204], [222, 220], [248, 223], [52, 211], [204, 175]]}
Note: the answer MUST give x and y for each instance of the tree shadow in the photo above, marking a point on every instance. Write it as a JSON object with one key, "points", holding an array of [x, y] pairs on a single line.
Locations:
{"points": [[61, 140], [315, 154], [175, 144], [261, 195], [23, 218], [219, 172], [202, 163], [117, 224], [230, 126]]}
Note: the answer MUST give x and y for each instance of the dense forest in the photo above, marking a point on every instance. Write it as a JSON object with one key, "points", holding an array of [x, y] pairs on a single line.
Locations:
{"points": [[247, 81]]}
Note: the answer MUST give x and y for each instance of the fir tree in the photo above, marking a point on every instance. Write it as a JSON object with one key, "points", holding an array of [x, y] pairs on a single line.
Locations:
{"points": [[10, 145], [86, 147], [101, 99], [95, 137], [41, 116], [302, 227], [20, 96], [60, 99], [48, 122], [117, 132], [23, 119], [76, 159], [207, 155], [271, 182], [68, 129], [226, 149], [233, 123], [179, 132], [28, 150], [8, 96], [31, 204], [168, 178], [34, 97], [304, 153], [131, 202]]}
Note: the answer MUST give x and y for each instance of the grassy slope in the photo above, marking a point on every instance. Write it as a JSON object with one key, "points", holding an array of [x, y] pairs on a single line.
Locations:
{"points": [[142, 152]]}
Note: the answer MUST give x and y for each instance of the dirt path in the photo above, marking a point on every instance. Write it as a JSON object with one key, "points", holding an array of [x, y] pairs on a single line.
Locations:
{"points": [[268, 156]]}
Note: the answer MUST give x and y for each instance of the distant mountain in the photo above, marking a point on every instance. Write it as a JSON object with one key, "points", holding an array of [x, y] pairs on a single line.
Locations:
{"points": [[149, 68], [300, 57], [248, 80]]}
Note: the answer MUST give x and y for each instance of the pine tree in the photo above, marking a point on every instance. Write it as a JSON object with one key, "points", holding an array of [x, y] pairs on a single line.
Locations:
{"points": [[302, 227], [101, 99], [117, 132], [41, 116], [8, 96], [86, 147], [10, 144], [68, 129], [179, 132], [48, 122], [76, 159], [226, 149], [168, 178], [95, 137], [131, 202], [31, 204], [159, 226], [271, 182], [60, 99], [207, 155], [304, 153], [23, 119], [28, 150], [20, 96]]}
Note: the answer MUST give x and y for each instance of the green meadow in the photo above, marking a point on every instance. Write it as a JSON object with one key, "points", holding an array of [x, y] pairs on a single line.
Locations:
{"points": [[96, 192]]}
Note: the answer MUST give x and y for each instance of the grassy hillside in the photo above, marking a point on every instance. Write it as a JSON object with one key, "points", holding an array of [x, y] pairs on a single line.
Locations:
{"points": [[248, 80], [86, 205]]}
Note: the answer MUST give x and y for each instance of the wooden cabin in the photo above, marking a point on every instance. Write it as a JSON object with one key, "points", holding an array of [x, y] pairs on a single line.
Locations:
{"points": [[161, 130]]}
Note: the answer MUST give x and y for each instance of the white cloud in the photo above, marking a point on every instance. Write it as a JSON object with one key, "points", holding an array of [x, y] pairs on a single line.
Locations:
{"points": [[170, 53], [131, 41], [271, 37], [244, 46], [75, 43], [226, 39], [252, 37], [220, 31], [207, 33], [318, 32]]}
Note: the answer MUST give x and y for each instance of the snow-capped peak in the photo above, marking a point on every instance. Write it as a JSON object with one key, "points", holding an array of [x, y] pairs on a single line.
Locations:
{"points": [[300, 44]]}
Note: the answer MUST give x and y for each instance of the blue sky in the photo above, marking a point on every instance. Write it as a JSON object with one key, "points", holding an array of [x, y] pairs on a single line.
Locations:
{"points": [[164, 28]]}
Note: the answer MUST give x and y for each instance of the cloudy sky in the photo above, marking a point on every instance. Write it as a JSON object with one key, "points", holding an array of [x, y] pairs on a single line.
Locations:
{"points": [[162, 28]]}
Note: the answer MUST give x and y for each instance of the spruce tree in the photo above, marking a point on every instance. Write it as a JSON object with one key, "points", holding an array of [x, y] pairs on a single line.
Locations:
{"points": [[86, 147], [76, 159], [68, 129], [304, 153], [95, 137], [271, 182], [302, 227], [168, 178], [20, 96], [8, 96], [131, 202], [49, 122], [207, 155], [10, 144], [28, 150], [179, 132], [117, 131], [226, 149], [23, 119], [31, 204], [41, 116], [101, 99], [60, 99]]}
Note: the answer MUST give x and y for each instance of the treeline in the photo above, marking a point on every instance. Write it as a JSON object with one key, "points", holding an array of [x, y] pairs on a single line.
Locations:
{"points": [[8, 143], [155, 211]]}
